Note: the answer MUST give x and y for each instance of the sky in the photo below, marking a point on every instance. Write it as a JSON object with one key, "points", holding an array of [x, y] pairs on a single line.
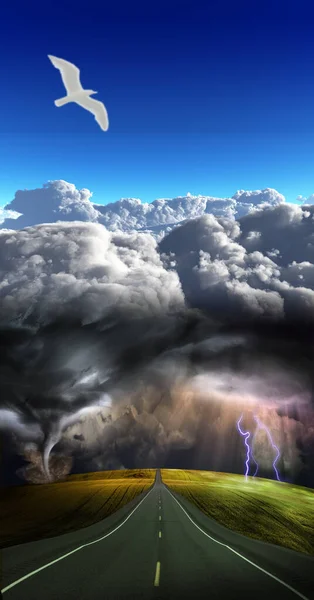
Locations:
{"points": [[203, 97]]}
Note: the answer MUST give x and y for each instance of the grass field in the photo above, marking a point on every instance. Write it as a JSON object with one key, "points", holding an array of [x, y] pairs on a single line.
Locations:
{"points": [[32, 512], [266, 510]]}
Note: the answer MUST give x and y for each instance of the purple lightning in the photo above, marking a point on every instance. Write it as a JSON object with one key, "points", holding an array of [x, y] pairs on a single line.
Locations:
{"points": [[254, 460], [261, 425], [246, 435]]}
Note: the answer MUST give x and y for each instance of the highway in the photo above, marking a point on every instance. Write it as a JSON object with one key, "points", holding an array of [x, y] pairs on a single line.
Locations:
{"points": [[159, 546]]}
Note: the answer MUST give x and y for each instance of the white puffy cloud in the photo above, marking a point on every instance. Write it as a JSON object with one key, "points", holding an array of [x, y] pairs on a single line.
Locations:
{"points": [[7, 214], [82, 269], [261, 264], [61, 201], [304, 200], [55, 201]]}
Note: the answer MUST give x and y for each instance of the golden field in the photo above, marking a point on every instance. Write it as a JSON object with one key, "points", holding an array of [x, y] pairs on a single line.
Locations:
{"points": [[32, 512], [271, 511]]}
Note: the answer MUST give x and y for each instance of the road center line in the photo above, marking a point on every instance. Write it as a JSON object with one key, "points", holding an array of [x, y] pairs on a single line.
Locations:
{"points": [[160, 534], [159, 518], [14, 583], [157, 576], [240, 555]]}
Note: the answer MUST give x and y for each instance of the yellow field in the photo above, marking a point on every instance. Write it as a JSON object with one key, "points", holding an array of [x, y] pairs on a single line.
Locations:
{"points": [[117, 474], [267, 510], [30, 512]]}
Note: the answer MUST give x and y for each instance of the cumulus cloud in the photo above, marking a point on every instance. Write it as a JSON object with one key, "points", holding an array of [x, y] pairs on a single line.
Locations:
{"points": [[304, 200], [55, 201], [7, 215], [261, 265], [81, 269], [62, 201]]}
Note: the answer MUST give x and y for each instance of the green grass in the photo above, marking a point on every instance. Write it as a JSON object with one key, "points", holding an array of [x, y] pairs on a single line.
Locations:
{"points": [[32, 512], [271, 511]]}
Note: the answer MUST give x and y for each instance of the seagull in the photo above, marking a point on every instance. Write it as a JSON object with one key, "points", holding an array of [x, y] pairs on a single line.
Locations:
{"points": [[75, 92]]}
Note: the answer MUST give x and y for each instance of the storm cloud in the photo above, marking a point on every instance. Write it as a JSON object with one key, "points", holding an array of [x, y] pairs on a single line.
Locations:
{"points": [[120, 351], [261, 265]]}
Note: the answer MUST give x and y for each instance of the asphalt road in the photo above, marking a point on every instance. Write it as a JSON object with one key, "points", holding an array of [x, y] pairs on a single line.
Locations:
{"points": [[159, 546]]}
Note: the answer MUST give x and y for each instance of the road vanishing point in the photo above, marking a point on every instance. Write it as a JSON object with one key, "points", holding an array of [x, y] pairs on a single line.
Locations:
{"points": [[157, 547]]}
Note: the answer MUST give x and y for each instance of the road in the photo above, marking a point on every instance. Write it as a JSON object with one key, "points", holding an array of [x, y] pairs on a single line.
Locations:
{"points": [[157, 547]]}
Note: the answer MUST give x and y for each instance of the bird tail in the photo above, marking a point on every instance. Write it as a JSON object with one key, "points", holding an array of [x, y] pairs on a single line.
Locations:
{"points": [[62, 101]]}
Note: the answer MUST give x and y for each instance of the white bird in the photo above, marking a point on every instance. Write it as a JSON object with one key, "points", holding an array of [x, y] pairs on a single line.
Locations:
{"points": [[75, 92]]}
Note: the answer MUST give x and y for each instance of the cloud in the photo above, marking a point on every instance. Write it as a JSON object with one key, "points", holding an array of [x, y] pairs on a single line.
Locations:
{"points": [[7, 215], [34, 472], [304, 200], [77, 272], [133, 392], [261, 265], [83, 270], [55, 201], [121, 351], [61, 201]]}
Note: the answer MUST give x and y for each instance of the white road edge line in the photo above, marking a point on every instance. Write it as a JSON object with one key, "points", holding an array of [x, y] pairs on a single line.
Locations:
{"points": [[14, 583], [241, 556]]}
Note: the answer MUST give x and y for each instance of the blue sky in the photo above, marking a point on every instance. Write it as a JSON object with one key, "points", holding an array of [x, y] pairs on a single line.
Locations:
{"points": [[203, 97]]}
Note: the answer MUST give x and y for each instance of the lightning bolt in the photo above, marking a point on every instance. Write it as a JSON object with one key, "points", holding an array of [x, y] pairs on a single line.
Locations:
{"points": [[246, 435], [261, 425], [254, 459]]}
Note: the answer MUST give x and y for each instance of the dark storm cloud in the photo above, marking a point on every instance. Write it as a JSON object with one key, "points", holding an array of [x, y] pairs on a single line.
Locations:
{"points": [[59, 375], [110, 358]]}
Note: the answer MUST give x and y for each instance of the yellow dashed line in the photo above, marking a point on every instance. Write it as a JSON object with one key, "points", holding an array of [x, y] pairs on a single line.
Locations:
{"points": [[157, 576]]}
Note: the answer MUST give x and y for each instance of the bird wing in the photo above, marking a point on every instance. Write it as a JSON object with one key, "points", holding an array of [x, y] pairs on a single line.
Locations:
{"points": [[70, 74], [98, 109]]}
